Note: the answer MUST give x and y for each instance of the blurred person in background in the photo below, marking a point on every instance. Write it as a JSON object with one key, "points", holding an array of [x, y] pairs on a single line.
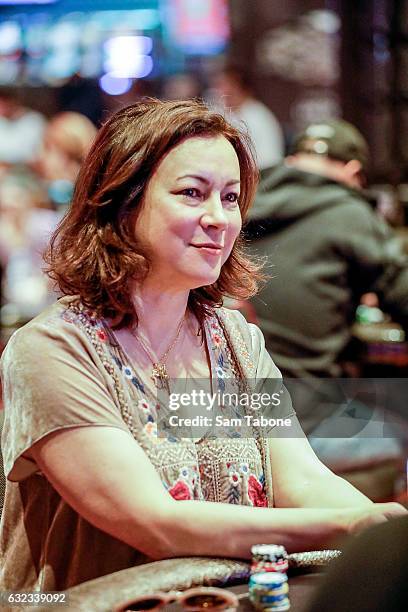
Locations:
{"points": [[21, 130], [31, 205], [182, 86], [27, 221], [326, 248], [66, 142], [232, 90]]}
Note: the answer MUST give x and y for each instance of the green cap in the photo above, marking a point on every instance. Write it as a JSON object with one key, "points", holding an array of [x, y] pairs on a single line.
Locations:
{"points": [[335, 138]]}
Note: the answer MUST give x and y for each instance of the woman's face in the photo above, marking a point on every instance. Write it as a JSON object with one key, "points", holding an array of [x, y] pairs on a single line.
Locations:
{"points": [[190, 217]]}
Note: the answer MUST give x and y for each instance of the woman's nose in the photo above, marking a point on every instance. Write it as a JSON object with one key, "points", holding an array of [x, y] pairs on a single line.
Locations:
{"points": [[214, 214]]}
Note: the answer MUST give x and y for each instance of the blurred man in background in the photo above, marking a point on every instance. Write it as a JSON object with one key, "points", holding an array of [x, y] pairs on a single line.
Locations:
{"points": [[233, 91], [326, 246]]}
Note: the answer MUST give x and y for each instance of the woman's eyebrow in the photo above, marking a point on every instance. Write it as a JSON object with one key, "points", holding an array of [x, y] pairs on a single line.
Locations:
{"points": [[204, 180]]}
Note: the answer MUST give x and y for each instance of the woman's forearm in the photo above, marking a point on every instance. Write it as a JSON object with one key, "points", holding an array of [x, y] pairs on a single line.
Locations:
{"points": [[328, 492], [131, 504], [214, 529]]}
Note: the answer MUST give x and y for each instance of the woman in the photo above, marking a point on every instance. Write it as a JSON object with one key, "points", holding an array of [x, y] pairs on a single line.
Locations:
{"points": [[149, 246]]}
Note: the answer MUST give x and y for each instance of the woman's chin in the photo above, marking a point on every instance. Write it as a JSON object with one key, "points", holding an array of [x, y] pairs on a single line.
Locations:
{"points": [[206, 279]]}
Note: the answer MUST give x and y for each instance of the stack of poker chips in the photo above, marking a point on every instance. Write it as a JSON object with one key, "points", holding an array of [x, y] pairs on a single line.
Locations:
{"points": [[269, 592], [269, 558], [268, 584]]}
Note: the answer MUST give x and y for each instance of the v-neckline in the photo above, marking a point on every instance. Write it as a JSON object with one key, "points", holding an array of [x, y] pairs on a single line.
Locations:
{"points": [[208, 349]]}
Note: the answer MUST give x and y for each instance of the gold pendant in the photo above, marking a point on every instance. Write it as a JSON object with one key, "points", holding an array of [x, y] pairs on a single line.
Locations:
{"points": [[160, 376]]}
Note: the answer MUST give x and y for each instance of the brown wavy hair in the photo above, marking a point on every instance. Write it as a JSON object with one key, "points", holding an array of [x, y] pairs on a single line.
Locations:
{"points": [[94, 252]]}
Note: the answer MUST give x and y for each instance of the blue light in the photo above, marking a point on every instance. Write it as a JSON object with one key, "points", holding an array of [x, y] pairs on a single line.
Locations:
{"points": [[10, 37], [11, 2], [113, 85]]}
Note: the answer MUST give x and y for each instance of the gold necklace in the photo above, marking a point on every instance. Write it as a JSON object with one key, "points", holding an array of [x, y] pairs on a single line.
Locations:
{"points": [[159, 373]]}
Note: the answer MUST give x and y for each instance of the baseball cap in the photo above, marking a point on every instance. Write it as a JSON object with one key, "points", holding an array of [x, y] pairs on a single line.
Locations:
{"points": [[335, 138]]}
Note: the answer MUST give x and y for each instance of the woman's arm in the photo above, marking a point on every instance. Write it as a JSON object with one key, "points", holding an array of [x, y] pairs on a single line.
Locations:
{"points": [[107, 478], [300, 479]]}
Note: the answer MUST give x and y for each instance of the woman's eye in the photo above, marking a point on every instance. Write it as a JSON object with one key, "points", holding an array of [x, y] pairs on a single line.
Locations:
{"points": [[231, 197], [191, 192]]}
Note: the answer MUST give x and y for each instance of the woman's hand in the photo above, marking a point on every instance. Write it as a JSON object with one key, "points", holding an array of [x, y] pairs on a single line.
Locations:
{"points": [[361, 518]]}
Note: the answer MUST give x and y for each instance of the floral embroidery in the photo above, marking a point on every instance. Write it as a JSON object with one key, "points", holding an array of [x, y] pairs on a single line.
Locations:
{"points": [[256, 492], [127, 372], [135, 381], [180, 491], [216, 338], [144, 405], [68, 316], [151, 428], [234, 478], [220, 372], [184, 472], [238, 482]]}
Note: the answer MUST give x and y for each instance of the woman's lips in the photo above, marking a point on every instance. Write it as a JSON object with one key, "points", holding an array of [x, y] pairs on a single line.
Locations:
{"points": [[214, 250]]}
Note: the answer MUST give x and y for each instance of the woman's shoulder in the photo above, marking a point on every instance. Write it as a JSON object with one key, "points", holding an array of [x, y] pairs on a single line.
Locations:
{"points": [[248, 342], [251, 333], [62, 324]]}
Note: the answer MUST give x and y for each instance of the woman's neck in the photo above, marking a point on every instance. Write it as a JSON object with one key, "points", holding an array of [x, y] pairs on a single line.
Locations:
{"points": [[159, 316]]}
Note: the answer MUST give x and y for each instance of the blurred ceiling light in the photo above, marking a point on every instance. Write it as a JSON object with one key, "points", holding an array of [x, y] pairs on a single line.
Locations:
{"points": [[147, 19], [10, 37], [127, 56], [91, 64], [325, 21], [113, 85], [36, 38], [64, 34], [136, 20], [60, 65]]}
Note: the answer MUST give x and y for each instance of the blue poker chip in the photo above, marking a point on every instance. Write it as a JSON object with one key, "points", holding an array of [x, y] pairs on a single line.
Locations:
{"points": [[263, 599], [268, 580]]}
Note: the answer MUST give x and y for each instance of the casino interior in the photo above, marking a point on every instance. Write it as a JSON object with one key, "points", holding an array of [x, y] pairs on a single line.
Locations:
{"points": [[276, 67]]}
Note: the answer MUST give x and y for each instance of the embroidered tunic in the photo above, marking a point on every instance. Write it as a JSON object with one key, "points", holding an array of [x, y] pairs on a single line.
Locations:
{"points": [[64, 370]]}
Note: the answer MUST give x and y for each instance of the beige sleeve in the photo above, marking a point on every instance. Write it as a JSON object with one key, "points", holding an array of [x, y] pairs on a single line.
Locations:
{"points": [[268, 377], [52, 379]]}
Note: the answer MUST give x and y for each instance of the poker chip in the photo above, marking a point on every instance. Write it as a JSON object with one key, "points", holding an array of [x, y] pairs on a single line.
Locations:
{"points": [[269, 558], [273, 580], [268, 591], [269, 566], [269, 552]]}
